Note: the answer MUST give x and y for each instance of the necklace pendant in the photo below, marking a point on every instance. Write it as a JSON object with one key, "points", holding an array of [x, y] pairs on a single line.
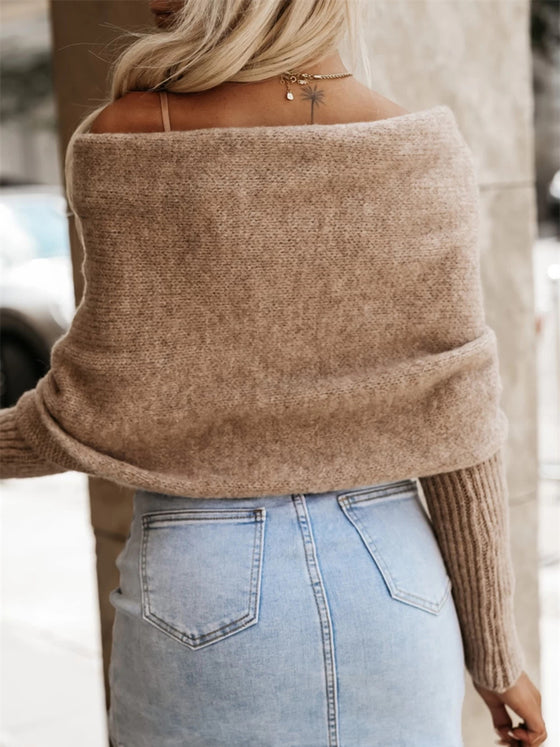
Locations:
{"points": [[290, 96]]}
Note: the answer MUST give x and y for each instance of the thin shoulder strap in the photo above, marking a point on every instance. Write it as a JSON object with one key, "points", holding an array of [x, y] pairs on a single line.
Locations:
{"points": [[165, 110]]}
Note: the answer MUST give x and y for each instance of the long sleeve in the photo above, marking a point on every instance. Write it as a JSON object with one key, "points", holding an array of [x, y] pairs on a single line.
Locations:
{"points": [[17, 458], [470, 516]]}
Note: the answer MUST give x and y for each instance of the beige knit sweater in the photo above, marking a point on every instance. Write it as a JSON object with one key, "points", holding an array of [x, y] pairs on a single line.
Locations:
{"points": [[288, 309]]}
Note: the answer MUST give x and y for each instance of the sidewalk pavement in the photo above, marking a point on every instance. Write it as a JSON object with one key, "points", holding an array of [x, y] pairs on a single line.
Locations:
{"points": [[51, 672]]}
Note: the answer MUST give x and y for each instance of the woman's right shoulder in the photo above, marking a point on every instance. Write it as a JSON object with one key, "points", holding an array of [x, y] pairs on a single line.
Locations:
{"points": [[135, 111]]}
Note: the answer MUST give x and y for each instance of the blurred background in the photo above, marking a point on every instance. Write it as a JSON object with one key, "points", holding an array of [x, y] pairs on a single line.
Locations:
{"points": [[497, 64]]}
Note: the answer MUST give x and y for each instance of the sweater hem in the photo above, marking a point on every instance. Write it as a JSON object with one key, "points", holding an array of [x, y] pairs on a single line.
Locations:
{"points": [[58, 447]]}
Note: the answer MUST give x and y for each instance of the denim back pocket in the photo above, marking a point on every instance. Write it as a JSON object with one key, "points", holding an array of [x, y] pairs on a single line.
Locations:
{"points": [[399, 536], [201, 572]]}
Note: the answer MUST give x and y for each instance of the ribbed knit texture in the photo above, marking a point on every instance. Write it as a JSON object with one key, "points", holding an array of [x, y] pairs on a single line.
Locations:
{"points": [[270, 310], [469, 509], [17, 458]]}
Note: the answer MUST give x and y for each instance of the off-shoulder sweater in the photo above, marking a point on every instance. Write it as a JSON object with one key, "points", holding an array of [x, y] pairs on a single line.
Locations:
{"points": [[279, 309]]}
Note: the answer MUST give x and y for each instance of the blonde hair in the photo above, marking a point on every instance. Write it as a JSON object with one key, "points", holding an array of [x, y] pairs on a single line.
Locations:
{"points": [[213, 41]]}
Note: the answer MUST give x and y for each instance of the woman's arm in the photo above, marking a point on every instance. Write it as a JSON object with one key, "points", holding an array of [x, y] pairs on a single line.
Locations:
{"points": [[17, 457], [470, 514]]}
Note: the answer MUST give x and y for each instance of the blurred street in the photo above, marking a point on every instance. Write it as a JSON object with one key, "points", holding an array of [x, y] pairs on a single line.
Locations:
{"points": [[546, 269]]}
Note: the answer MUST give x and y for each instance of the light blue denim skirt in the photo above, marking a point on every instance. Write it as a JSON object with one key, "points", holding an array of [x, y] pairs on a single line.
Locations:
{"points": [[297, 620]]}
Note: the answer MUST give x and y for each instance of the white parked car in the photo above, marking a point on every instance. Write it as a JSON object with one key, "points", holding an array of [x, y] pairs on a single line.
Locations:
{"points": [[36, 285], [554, 198]]}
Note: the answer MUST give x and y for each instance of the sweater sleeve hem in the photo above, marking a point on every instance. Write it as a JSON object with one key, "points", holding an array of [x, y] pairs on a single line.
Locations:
{"points": [[17, 457]]}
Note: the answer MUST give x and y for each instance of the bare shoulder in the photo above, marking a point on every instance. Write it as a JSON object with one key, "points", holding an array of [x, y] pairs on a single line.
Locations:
{"points": [[381, 106], [388, 108], [140, 111], [136, 111]]}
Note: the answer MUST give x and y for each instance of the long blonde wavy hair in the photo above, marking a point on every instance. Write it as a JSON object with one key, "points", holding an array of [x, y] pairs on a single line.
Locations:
{"points": [[209, 42]]}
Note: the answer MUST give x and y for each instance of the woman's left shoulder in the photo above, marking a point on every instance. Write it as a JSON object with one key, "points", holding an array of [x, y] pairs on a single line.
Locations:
{"points": [[135, 111]]}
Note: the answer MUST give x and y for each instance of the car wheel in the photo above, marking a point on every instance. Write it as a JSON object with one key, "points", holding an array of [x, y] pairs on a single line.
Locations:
{"points": [[19, 370]]}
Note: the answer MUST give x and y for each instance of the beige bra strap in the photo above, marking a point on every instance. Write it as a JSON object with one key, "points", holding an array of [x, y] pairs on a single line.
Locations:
{"points": [[165, 110]]}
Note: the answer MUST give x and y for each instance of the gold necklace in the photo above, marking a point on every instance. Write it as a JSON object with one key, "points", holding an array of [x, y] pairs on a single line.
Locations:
{"points": [[303, 78]]}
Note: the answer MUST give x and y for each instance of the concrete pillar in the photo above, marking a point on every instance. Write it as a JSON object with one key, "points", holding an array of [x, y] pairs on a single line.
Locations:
{"points": [[85, 38]]}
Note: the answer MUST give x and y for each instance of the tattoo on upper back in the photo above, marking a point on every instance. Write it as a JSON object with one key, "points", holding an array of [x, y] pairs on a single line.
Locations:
{"points": [[314, 95]]}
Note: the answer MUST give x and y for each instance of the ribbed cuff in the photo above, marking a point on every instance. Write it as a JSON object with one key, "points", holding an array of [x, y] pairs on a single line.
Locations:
{"points": [[17, 458], [470, 515]]}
